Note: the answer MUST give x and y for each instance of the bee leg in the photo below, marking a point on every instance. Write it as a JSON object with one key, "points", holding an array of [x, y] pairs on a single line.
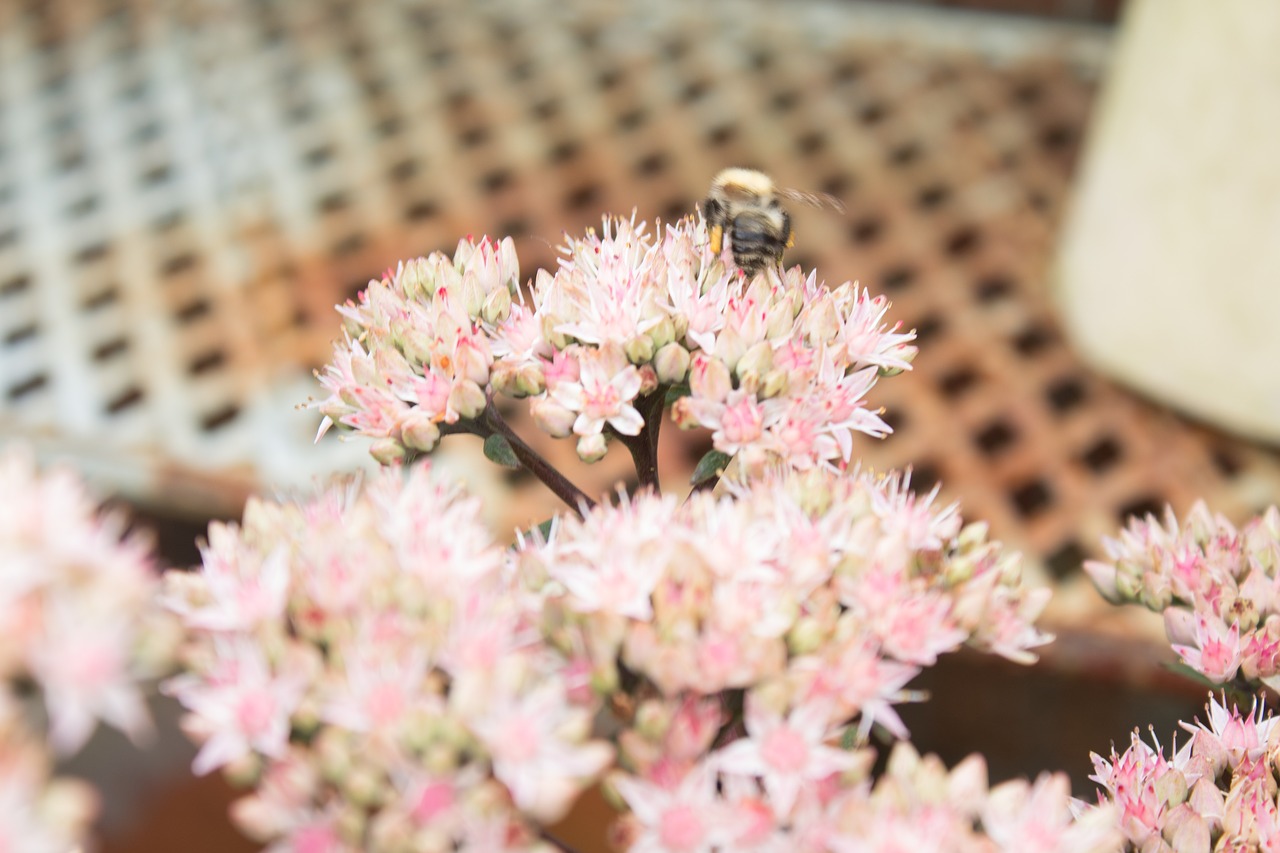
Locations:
{"points": [[786, 226], [716, 234], [714, 212]]}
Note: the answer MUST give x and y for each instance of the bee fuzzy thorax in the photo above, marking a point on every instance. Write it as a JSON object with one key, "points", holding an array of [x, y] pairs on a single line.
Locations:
{"points": [[738, 181]]}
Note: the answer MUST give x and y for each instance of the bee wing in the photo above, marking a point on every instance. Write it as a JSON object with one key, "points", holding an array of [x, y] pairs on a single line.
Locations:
{"points": [[824, 200]]}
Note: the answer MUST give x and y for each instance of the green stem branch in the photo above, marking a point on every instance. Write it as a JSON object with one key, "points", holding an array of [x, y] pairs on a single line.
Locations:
{"points": [[490, 422], [644, 446]]}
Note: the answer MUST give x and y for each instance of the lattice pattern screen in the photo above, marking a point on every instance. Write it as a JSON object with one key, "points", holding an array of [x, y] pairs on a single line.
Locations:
{"points": [[187, 187]]}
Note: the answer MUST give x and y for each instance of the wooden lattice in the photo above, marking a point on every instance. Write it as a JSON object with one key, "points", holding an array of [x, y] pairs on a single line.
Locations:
{"points": [[186, 188]]}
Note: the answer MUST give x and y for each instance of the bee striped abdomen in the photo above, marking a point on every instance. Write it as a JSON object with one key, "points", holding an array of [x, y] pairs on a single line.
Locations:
{"points": [[758, 240]]}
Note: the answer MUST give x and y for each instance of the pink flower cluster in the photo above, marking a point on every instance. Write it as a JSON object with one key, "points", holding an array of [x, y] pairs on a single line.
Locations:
{"points": [[915, 805], [38, 814], [75, 609], [1217, 587], [368, 660], [801, 603], [777, 366], [1216, 792]]}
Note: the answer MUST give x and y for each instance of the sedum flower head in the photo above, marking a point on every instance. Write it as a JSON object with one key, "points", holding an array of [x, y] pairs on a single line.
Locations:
{"points": [[806, 600], [1216, 585], [833, 581], [778, 366], [1217, 791], [367, 659], [918, 804], [79, 627]]}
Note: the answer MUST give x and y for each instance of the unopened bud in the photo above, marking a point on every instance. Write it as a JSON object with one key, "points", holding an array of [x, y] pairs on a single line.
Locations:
{"points": [[551, 417], [757, 361], [387, 451], [592, 448], [653, 718], [639, 350], [663, 333], [806, 636], [419, 431], [497, 306], [1186, 831], [680, 325], [648, 379], [415, 278], [775, 382], [672, 364], [467, 399], [351, 822], [730, 347], [822, 324], [334, 753], [363, 785], [1171, 788], [709, 378], [530, 380], [502, 379]]}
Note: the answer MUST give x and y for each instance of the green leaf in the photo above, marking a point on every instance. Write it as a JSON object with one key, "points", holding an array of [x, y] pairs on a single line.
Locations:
{"points": [[675, 392], [544, 528], [497, 449], [711, 465]]}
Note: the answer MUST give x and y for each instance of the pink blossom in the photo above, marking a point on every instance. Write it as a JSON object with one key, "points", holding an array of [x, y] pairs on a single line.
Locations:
{"points": [[1037, 818], [431, 340], [75, 603], [685, 819], [244, 708], [867, 683], [603, 393], [542, 769], [39, 815], [786, 754], [1217, 652], [83, 665]]}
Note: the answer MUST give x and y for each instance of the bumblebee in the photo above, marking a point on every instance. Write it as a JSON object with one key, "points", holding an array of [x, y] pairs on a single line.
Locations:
{"points": [[743, 205]]}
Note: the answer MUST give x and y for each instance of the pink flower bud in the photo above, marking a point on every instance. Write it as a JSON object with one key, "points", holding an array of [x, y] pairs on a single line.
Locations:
{"points": [[467, 399], [551, 417], [672, 363], [1180, 626], [709, 378], [648, 378], [730, 347], [502, 379], [639, 350], [414, 279], [419, 432], [592, 448], [387, 451], [497, 306], [529, 380]]}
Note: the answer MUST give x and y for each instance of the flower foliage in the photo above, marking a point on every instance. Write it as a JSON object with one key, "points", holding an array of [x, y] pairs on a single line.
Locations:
{"points": [[392, 680], [806, 601], [1216, 586], [1215, 792], [75, 603], [915, 805], [778, 366], [368, 659]]}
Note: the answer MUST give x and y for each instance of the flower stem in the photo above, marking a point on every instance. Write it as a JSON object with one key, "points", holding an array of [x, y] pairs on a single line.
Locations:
{"points": [[491, 422], [644, 446], [553, 840]]}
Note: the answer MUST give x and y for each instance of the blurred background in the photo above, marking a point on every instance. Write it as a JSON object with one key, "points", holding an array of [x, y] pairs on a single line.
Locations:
{"points": [[187, 187]]}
